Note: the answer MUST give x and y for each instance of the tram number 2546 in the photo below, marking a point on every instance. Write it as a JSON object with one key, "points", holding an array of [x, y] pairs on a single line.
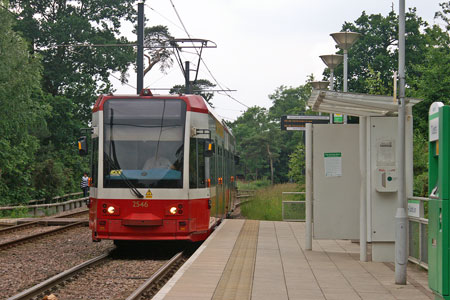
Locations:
{"points": [[140, 203]]}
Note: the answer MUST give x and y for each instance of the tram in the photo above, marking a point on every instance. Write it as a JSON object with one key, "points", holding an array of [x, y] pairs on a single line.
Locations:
{"points": [[162, 168]]}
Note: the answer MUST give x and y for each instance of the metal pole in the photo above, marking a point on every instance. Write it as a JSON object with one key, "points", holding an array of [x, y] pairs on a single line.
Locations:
{"points": [[331, 79], [140, 48], [309, 187], [187, 84], [401, 257], [331, 89], [345, 77], [345, 69], [362, 190]]}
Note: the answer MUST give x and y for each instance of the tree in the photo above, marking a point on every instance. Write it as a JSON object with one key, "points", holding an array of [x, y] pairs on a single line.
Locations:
{"points": [[376, 51], [297, 164], [288, 101], [79, 73], [21, 118], [199, 87], [158, 38], [433, 84], [257, 143]]}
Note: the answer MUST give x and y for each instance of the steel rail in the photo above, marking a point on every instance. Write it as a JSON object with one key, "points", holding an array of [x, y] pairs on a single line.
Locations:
{"points": [[155, 277], [73, 214], [55, 280], [20, 227], [37, 222], [38, 235]]}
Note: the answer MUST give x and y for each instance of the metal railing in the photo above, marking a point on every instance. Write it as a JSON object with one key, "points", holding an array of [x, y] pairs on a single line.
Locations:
{"points": [[292, 210], [49, 208], [418, 230], [52, 200]]}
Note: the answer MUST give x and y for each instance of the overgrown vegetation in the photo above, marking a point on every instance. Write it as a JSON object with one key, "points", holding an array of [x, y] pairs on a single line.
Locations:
{"points": [[265, 204]]}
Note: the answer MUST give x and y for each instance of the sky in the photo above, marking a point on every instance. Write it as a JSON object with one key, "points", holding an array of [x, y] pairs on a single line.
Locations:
{"points": [[261, 44]]}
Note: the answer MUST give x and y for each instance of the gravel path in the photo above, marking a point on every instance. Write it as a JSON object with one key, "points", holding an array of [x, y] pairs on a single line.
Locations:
{"points": [[26, 265]]}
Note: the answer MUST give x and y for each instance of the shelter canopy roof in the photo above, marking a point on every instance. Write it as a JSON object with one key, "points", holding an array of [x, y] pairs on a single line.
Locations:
{"points": [[356, 104]]}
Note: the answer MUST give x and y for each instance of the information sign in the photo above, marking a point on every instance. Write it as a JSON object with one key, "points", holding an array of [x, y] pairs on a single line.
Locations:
{"points": [[298, 122], [333, 164], [433, 117]]}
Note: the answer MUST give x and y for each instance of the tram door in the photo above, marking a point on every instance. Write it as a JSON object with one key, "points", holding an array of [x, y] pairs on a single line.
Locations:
{"points": [[220, 184]]}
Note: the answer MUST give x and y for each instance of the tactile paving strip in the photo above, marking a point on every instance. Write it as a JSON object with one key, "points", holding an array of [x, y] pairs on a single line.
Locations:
{"points": [[237, 278]]}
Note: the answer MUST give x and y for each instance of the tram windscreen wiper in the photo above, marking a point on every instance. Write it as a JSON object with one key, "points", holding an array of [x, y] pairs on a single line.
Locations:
{"points": [[115, 164]]}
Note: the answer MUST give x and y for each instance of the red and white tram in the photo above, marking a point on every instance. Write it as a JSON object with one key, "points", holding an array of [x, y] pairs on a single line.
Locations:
{"points": [[163, 168]]}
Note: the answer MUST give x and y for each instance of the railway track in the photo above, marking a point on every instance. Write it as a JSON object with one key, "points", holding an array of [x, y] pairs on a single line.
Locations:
{"points": [[61, 281], [29, 238], [40, 222]]}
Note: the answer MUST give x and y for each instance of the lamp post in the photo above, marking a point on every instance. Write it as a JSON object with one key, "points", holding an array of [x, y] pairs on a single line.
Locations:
{"points": [[332, 60], [401, 217], [345, 40]]}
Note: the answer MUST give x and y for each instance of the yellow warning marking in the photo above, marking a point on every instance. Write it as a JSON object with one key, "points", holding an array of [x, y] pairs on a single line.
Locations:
{"points": [[148, 194]]}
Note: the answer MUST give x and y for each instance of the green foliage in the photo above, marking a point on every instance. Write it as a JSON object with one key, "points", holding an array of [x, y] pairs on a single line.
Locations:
{"points": [[48, 88], [264, 148], [20, 116], [158, 38], [253, 185], [78, 73], [297, 164], [265, 204], [376, 53], [420, 164], [200, 87], [257, 142], [18, 212]]}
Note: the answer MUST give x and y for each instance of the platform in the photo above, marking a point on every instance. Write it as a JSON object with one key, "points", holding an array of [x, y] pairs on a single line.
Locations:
{"points": [[266, 260]]}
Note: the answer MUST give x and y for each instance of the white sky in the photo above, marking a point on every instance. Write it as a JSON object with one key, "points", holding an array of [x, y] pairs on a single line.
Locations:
{"points": [[261, 44]]}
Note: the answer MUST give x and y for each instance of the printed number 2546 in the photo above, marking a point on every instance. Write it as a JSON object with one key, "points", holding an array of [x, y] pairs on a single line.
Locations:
{"points": [[140, 203]]}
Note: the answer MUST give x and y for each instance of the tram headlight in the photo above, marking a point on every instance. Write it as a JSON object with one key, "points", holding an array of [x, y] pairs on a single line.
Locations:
{"points": [[111, 210], [173, 210]]}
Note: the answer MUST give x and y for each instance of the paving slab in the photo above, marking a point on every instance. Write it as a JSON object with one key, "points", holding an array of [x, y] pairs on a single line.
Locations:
{"points": [[283, 269]]}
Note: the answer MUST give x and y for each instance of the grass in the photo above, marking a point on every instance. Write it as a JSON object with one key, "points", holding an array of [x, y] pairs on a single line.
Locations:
{"points": [[253, 185], [265, 204]]}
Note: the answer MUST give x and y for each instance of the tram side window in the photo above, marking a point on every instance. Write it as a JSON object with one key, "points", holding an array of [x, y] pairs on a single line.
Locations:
{"points": [[94, 162], [197, 164]]}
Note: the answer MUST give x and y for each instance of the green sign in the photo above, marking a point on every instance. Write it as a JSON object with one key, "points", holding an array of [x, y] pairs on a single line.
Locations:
{"points": [[333, 154], [338, 119]]}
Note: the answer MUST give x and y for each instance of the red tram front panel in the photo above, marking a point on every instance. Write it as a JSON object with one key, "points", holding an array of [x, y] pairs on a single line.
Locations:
{"points": [[150, 219]]}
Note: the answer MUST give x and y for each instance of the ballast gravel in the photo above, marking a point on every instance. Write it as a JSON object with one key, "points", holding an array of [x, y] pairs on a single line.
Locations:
{"points": [[28, 264]]}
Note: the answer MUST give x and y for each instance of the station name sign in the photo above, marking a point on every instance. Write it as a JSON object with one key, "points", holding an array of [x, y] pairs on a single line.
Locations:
{"points": [[299, 122]]}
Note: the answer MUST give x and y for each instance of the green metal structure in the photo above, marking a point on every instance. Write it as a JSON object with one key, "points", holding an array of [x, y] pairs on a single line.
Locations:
{"points": [[438, 208]]}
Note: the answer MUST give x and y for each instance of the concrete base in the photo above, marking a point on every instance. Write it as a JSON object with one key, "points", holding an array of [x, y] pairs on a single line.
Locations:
{"points": [[383, 251]]}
